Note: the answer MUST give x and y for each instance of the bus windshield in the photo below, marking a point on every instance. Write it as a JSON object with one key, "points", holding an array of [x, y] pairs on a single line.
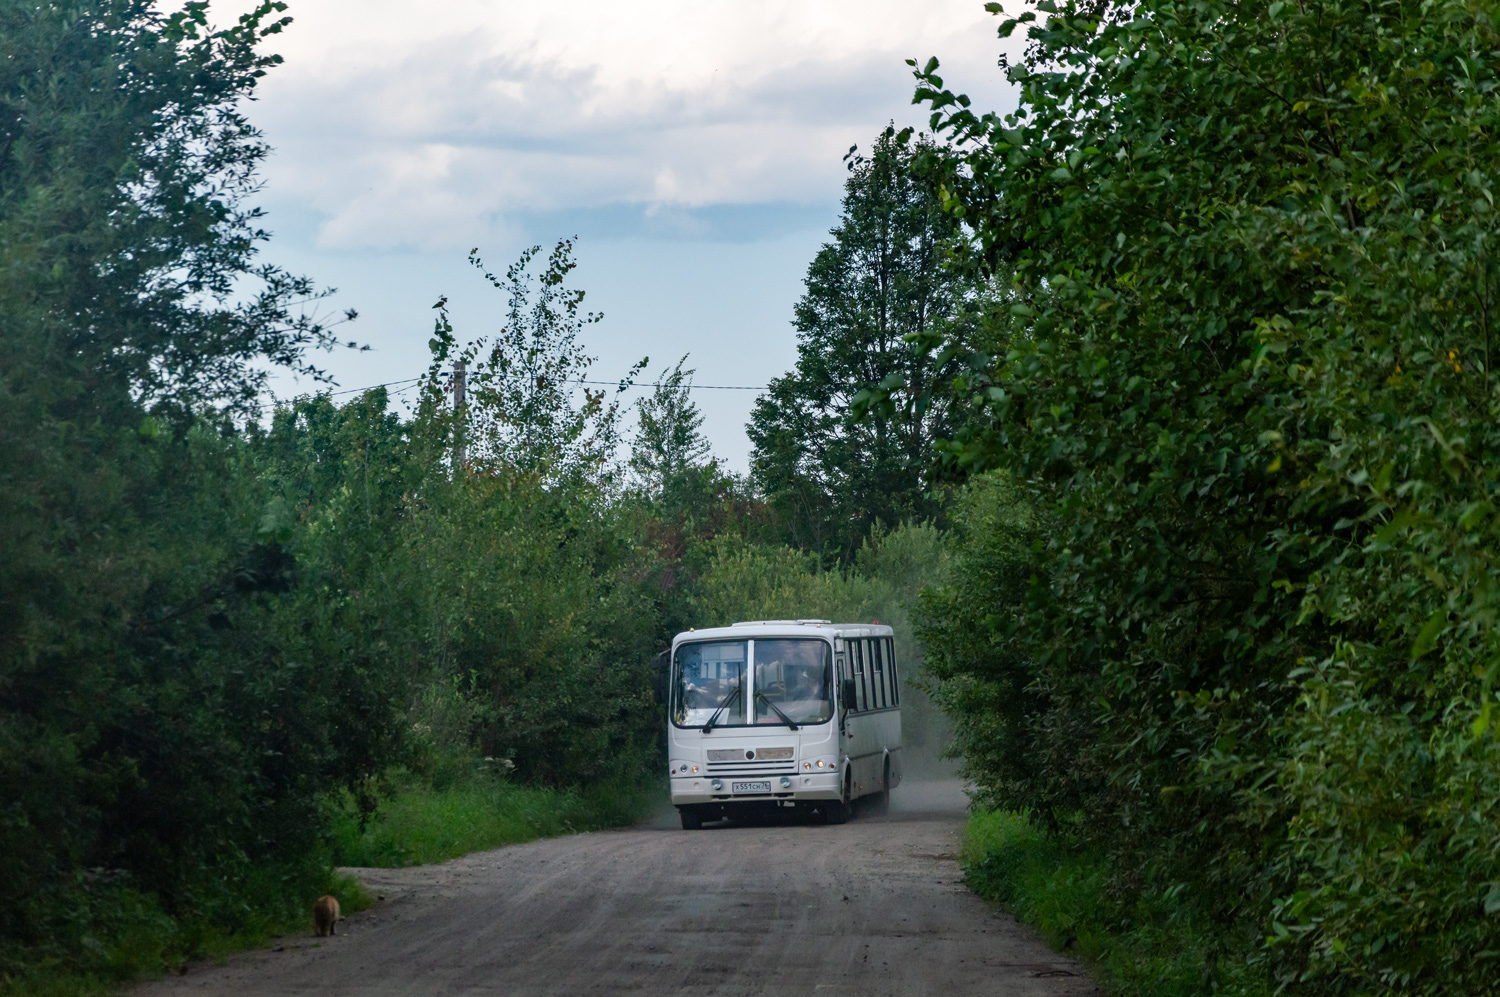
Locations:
{"points": [[708, 677], [797, 677]]}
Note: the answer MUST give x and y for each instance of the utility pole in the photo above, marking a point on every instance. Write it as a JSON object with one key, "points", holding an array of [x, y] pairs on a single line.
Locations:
{"points": [[460, 443]]}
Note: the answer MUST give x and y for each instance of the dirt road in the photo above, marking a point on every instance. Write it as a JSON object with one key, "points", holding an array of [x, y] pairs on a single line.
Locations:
{"points": [[872, 907]]}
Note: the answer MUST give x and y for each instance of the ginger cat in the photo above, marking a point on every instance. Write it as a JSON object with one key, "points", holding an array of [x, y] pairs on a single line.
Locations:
{"points": [[326, 915]]}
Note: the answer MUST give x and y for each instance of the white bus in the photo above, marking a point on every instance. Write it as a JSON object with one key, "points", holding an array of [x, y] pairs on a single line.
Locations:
{"points": [[771, 714]]}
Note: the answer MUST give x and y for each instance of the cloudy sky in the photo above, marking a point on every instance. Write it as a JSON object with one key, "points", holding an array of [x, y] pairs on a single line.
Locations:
{"points": [[695, 148]]}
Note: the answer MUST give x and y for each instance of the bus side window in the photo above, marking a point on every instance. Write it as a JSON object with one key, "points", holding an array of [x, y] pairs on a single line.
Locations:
{"points": [[857, 650], [879, 671], [890, 657], [888, 673], [871, 703], [867, 701]]}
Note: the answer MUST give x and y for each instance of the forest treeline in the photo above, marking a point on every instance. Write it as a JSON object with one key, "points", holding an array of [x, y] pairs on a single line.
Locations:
{"points": [[1169, 392]]}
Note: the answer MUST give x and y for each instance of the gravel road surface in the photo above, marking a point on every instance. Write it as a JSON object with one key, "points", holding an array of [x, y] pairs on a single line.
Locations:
{"points": [[873, 907]]}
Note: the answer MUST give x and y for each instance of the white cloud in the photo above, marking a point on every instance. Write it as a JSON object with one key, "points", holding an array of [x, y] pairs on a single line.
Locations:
{"points": [[695, 146], [437, 126]]}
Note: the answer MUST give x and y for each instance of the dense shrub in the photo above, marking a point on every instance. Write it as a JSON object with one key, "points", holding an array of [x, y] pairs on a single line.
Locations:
{"points": [[1247, 395], [164, 743], [1157, 942]]}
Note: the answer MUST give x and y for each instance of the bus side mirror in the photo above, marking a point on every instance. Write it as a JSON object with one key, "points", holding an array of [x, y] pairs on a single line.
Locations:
{"points": [[846, 693], [661, 665]]}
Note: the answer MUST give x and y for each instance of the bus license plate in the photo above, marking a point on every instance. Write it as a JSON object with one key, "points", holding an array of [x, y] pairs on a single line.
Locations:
{"points": [[751, 787]]}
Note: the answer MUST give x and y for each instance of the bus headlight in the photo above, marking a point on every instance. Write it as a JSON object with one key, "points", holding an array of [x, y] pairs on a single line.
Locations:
{"points": [[786, 782], [717, 784]]}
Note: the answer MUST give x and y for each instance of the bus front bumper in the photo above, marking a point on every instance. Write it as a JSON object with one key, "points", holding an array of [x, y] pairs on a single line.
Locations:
{"points": [[688, 790]]}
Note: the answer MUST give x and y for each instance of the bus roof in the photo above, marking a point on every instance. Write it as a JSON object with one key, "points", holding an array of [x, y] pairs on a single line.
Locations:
{"points": [[786, 628]]}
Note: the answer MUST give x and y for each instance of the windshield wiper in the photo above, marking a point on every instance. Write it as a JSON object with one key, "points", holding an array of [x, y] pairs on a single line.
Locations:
{"points": [[784, 718], [722, 707]]}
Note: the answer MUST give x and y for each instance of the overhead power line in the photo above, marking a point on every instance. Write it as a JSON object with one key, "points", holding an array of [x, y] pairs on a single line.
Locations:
{"points": [[637, 384], [657, 384], [352, 391]]}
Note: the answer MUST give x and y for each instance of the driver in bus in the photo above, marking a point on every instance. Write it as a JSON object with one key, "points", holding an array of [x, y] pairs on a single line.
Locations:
{"points": [[707, 692], [695, 691], [802, 682]]}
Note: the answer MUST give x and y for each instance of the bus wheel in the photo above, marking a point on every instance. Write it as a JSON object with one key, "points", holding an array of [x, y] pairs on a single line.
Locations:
{"points": [[883, 802], [692, 820]]}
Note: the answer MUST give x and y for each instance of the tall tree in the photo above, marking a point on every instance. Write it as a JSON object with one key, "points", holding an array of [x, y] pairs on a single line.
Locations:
{"points": [[149, 722], [128, 266], [669, 441], [527, 406], [883, 279]]}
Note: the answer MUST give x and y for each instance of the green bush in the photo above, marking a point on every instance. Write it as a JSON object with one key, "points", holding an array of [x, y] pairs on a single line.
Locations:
{"points": [[167, 736], [1150, 945], [1244, 388]]}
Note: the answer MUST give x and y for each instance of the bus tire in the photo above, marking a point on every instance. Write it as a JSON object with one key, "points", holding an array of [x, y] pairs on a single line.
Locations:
{"points": [[883, 801], [692, 820]]}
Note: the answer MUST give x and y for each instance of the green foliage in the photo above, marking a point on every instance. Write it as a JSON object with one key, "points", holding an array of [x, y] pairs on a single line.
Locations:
{"points": [[1152, 945], [130, 936], [127, 255], [752, 582], [1249, 398], [205, 634], [972, 620], [669, 443], [323, 599], [164, 742], [522, 411], [828, 476], [420, 823], [178, 741], [755, 582], [525, 601]]}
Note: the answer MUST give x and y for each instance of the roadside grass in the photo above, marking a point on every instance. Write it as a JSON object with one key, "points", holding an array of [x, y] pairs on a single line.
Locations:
{"points": [[1147, 946], [418, 823], [129, 937]]}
